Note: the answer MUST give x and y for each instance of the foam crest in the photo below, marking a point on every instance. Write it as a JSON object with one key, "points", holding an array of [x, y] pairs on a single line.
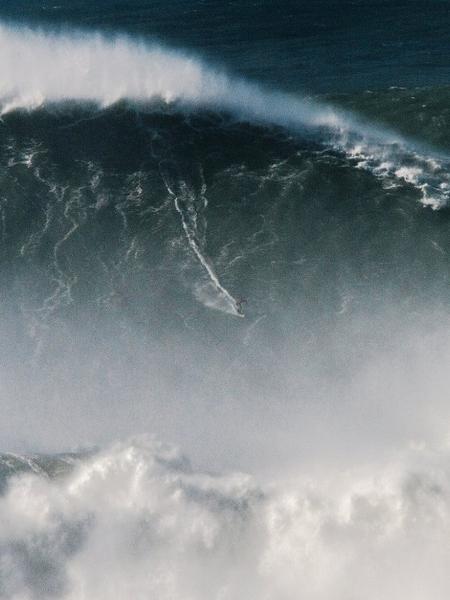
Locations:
{"points": [[38, 67], [137, 521]]}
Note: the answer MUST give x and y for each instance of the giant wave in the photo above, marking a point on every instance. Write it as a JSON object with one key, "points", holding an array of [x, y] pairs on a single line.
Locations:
{"points": [[141, 187]]}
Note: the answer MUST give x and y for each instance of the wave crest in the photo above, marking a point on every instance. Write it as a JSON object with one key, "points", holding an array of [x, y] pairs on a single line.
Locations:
{"points": [[38, 67]]}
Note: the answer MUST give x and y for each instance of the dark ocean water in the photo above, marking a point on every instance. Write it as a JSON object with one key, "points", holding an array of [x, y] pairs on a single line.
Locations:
{"points": [[224, 225]]}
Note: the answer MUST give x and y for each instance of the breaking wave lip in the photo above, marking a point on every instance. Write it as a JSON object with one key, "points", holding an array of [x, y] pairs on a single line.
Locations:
{"points": [[38, 67], [136, 520]]}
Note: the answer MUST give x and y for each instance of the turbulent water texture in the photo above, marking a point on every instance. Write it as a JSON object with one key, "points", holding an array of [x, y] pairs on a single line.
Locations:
{"points": [[193, 246], [138, 521]]}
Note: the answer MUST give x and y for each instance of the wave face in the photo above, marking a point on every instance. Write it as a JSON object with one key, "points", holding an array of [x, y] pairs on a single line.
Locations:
{"points": [[256, 276], [138, 521]]}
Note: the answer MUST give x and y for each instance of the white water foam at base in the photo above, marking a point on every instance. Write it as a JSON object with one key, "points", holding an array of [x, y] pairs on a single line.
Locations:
{"points": [[39, 68], [137, 521]]}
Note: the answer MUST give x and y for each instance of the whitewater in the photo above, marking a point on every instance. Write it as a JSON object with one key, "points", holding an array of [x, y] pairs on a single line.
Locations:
{"points": [[138, 521], [42, 68]]}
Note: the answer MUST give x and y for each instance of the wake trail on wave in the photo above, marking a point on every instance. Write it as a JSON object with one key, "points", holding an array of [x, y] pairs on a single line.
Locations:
{"points": [[39, 68], [184, 202]]}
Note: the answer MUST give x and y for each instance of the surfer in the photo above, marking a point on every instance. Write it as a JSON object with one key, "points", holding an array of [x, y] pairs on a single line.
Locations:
{"points": [[240, 301]]}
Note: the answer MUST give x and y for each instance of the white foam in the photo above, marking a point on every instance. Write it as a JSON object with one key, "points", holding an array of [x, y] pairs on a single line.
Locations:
{"points": [[136, 521]]}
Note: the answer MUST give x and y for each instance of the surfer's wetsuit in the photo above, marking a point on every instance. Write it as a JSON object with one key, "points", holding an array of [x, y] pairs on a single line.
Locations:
{"points": [[239, 302]]}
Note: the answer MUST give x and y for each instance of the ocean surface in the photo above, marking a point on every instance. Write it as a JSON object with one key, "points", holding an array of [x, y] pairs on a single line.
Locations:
{"points": [[224, 300]]}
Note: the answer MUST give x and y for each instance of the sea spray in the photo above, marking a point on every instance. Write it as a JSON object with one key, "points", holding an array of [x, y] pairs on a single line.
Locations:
{"points": [[137, 520], [39, 68]]}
